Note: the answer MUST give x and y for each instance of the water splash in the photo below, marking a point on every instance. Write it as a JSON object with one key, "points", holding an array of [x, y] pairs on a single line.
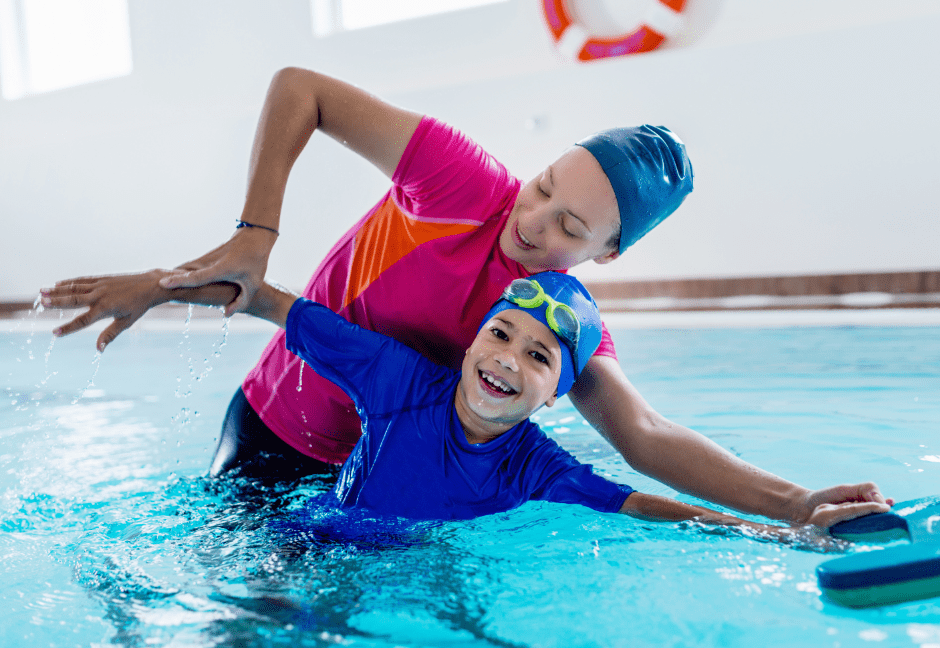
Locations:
{"points": [[49, 352], [216, 351], [300, 376], [96, 363], [181, 420], [34, 314], [49, 374], [29, 347], [186, 355], [224, 340]]}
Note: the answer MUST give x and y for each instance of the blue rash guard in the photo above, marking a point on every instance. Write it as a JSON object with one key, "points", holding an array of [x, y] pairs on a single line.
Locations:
{"points": [[413, 459]]}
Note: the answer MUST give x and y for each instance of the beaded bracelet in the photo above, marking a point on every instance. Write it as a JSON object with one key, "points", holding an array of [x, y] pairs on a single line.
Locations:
{"points": [[242, 223]]}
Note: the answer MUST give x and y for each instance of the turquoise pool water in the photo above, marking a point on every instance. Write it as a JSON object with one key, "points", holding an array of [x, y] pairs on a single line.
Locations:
{"points": [[110, 534]]}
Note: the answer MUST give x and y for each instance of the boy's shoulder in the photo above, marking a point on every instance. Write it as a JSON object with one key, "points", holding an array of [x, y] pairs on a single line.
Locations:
{"points": [[528, 437]]}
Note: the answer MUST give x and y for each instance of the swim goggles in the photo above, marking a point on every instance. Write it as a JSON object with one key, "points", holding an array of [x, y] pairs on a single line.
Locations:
{"points": [[561, 318]]}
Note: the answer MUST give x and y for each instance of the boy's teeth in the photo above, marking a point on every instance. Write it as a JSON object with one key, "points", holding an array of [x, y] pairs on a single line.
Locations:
{"points": [[497, 383]]}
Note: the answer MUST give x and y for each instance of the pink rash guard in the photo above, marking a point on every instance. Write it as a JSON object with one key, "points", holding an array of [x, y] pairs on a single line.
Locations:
{"points": [[423, 266]]}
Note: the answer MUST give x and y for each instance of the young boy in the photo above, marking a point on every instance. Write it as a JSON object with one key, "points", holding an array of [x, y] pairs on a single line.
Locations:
{"points": [[439, 444]]}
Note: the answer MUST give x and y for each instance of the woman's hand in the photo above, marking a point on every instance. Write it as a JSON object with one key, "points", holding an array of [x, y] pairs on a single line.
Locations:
{"points": [[124, 297], [242, 260], [814, 533], [826, 515], [863, 494]]}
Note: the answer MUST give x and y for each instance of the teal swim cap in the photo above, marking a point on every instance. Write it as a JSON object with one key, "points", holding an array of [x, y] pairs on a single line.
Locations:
{"points": [[650, 172], [553, 291]]}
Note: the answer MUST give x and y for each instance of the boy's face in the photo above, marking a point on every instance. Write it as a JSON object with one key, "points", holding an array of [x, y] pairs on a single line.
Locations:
{"points": [[509, 371], [564, 216]]}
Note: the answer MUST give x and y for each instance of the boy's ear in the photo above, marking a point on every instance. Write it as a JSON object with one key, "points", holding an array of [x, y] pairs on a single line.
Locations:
{"points": [[551, 399], [604, 259]]}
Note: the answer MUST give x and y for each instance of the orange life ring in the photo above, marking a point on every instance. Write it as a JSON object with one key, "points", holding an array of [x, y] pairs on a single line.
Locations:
{"points": [[662, 19]]}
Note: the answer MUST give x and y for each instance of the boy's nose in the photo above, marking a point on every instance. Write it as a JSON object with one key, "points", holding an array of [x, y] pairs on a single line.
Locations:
{"points": [[508, 360]]}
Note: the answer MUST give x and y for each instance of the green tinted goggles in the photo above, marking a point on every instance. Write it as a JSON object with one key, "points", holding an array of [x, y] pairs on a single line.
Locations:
{"points": [[561, 318]]}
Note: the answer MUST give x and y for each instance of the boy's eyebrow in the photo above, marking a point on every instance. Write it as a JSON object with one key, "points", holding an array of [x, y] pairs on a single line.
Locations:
{"points": [[551, 181], [548, 351], [506, 322], [510, 325]]}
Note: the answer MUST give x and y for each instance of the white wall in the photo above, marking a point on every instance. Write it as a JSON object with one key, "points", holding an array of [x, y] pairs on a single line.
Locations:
{"points": [[811, 125]]}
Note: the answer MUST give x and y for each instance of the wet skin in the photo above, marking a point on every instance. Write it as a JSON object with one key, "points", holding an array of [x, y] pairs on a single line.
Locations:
{"points": [[510, 370], [563, 216]]}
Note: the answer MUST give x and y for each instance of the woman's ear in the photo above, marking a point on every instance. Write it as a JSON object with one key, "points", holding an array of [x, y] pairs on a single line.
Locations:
{"points": [[607, 258]]}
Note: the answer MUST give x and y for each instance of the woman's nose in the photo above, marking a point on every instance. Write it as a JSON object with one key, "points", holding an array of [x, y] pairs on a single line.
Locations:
{"points": [[540, 217]]}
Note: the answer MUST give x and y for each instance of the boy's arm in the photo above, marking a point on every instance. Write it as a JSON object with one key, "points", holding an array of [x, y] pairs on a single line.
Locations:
{"points": [[690, 462], [664, 509], [272, 302], [124, 297]]}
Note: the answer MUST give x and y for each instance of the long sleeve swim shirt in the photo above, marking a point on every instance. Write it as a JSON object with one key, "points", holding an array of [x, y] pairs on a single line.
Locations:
{"points": [[413, 459], [423, 266]]}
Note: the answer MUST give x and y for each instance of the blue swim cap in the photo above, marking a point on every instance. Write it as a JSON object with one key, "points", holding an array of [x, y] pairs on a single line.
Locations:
{"points": [[567, 290], [650, 172]]}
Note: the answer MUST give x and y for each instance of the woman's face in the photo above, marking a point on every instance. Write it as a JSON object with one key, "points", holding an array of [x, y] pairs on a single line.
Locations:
{"points": [[564, 216]]}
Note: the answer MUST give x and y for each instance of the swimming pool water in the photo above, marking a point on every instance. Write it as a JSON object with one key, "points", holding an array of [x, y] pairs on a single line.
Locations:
{"points": [[110, 534]]}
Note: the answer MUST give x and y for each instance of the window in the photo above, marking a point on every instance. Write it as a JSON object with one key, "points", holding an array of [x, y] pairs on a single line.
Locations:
{"points": [[48, 45], [331, 16]]}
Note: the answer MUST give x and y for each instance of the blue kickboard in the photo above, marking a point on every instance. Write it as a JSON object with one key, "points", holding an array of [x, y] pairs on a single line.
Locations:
{"points": [[890, 575], [880, 577], [915, 520]]}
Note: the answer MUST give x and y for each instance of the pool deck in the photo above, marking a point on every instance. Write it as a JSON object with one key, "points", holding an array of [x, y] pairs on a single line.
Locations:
{"points": [[207, 320], [859, 299]]}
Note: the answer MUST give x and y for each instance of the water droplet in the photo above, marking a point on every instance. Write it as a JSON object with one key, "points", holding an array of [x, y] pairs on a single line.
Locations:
{"points": [[96, 363]]}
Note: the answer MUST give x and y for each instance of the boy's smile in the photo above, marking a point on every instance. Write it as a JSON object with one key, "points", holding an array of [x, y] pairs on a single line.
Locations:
{"points": [[498, 387], [509, 371]]}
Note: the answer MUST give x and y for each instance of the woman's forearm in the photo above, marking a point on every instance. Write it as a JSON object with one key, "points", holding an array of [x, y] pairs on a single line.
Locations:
{"points": [[288, 118]]}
